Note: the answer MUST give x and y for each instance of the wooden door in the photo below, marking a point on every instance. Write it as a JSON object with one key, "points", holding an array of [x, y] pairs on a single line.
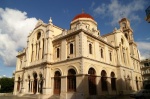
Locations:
{"points": [[92, 85], [57, 85]]}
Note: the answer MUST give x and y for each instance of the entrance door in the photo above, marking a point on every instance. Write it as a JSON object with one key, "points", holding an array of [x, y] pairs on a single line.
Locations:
{"points": [[92, 84], [57, 83], [35, 86], [92, 81], [35, 83]]}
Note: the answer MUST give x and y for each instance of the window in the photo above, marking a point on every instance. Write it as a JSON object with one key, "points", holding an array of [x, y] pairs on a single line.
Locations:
{"points": [[18, 84], [38, 35], [71, 48], [90, 48], [101, 53], [43, 50], [123, 25], [104, 80], [57, 52], [113, 81], [31, 52], [126, 35], [122, 41], [110, 56], [29, 88], [137, 83], [71, 78]]}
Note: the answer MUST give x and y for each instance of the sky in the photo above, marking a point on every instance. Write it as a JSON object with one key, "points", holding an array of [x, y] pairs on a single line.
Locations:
{"points": [[19, 17]]}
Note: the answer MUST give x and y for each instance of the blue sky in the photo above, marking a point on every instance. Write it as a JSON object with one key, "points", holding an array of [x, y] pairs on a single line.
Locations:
{"points": [[18, 18]]}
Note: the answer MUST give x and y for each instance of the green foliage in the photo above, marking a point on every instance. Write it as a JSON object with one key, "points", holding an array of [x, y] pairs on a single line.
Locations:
{"points": [[7, 85]]}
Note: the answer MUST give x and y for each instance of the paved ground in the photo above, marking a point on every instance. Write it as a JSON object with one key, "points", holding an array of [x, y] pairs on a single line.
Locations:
{"points": [[14, 97]]}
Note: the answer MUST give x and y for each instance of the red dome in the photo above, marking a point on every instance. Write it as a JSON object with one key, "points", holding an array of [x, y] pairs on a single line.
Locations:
{"points": [[83, 15]]}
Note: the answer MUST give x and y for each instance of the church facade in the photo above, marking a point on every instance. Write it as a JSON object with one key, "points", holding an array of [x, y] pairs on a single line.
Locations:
{"points": [[79, 62]]}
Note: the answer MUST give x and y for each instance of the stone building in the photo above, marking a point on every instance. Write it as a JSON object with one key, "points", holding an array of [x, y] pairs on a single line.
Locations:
{"points": [[145, 69], [78, 63]]}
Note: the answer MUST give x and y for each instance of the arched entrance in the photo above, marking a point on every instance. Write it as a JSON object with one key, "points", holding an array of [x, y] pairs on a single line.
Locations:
{"points": [[137, 83], [113, 81], [71, 80], [29, 87], [57, 82], [92, 81], [41, 84], [18, 84], [35, 83], [104, 80]]}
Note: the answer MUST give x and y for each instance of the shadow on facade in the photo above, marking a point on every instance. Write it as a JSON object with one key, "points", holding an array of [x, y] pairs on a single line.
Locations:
{"points": [[97, 87]]}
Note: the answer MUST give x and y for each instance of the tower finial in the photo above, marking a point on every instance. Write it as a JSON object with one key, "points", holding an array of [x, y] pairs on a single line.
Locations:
{"points": [[82, 10], [50, 20]]}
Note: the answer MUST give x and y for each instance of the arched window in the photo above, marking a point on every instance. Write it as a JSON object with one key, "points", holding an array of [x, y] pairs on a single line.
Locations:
{"points": [[57, 82], [38, 35], [92, 81], [101, 53], [110, 56], [71, 48], [39, 51], [43, 50], [35, 83], [31, 52], [58, 53], [29, 86], [136, 79], [40, 87], [90, 48], [71, 80], [126, 35], [113, 81], [128, 85], [18, 84], [122, 41], [123, 25], [104, 80]]}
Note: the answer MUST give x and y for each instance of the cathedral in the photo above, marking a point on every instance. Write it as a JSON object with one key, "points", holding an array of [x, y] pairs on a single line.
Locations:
{"points": [[78, 63]]}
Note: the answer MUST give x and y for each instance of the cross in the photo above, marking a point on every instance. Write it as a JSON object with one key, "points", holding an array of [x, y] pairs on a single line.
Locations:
{"points": [[82, 10]]}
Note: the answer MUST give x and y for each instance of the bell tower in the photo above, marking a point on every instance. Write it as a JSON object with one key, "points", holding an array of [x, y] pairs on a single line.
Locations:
{"points": [[128, 33], [125, 26]]}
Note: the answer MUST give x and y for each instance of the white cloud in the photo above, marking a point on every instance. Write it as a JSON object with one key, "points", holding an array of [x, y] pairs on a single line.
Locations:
{"points": [[116, 10], [144, 48], [148, 38], [14, 29]]}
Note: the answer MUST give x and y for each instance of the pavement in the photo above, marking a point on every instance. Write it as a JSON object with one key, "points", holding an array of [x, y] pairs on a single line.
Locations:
{"points": [[106, 97]]}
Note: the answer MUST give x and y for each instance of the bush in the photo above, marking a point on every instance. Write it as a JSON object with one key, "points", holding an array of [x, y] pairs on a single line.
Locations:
{"points": [[7, 85]]}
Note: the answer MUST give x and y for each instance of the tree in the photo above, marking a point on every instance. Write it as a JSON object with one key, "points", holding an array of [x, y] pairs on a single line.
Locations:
{"points": [[7, 85]]}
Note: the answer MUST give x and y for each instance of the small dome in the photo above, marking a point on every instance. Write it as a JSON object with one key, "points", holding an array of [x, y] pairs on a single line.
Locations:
{"points": [[83, 15]]}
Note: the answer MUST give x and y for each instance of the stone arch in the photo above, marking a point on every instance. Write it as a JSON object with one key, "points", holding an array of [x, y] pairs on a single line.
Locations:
{"points": [[57, 82], [104, 85], [42, 33], [92, 66], [92, 81], [113, 80], [35, 75], [18, 83], [71, 80], [57, 69], [71, 67], [105, 69]]}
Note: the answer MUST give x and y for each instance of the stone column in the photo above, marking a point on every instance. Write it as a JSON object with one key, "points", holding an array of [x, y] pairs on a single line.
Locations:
{"points": [[109, 85], [63, 94]]}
